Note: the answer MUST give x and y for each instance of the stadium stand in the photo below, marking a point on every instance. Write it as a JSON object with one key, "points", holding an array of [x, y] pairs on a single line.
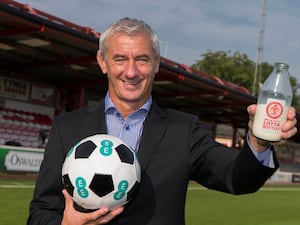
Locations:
{"points": [[21, 128]]}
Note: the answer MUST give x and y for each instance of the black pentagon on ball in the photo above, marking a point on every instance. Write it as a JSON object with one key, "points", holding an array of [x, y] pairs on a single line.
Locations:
{"points": [[68, 184], [85, 149], [102, 184], [125, 154]]}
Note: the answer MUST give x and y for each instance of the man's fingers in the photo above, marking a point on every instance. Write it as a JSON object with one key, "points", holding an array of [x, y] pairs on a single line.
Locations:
{"points": [[68, 198], [98, 216], [104, 215]]}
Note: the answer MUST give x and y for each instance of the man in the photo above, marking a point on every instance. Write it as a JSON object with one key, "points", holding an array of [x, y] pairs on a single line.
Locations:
{"points": [[171, 146]]}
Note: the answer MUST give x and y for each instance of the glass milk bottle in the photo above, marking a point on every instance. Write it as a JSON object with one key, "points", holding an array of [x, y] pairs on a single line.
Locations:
{"points": [[274, 100]]}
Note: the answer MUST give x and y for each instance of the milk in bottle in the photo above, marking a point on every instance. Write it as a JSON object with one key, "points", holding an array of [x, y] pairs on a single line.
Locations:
{"points": [[273, 102]]}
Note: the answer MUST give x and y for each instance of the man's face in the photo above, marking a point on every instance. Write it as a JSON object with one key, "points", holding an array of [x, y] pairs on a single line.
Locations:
{"points": [[130, 65]]}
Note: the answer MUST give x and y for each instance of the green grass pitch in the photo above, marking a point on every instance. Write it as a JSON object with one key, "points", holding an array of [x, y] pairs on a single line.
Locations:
{"points": [[269, 206]]}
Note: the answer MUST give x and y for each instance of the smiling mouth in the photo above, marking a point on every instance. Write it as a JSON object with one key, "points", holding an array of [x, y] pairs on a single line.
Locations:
{"points": [[131, 82]]}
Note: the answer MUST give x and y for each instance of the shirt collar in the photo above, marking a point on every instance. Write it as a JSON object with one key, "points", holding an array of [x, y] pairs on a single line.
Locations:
{"points": [[110, 105]]}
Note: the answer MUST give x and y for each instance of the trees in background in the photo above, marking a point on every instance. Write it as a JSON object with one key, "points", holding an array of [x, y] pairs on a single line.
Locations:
{"points": [[237, 68]]}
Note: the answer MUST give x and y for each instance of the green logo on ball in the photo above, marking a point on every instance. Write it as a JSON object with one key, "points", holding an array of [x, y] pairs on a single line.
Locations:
{"points": [[122, 188], [106, 147], [81, 187]]}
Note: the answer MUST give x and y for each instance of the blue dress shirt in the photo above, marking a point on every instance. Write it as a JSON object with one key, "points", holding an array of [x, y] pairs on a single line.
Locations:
{"points": [[266, 157], [129, 130]]}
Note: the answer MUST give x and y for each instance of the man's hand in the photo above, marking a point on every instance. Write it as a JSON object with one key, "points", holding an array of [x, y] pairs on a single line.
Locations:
{"points": [[73, 217], [288, 129]]}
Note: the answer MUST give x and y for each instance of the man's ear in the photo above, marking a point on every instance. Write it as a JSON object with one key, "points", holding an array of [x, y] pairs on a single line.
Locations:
{"points": [[101, 63], [157, 66]]}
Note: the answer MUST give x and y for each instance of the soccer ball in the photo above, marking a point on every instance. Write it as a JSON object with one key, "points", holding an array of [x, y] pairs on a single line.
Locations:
{"points": [[101, 171]]}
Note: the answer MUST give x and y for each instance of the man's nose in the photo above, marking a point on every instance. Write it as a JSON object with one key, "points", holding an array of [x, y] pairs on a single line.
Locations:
{"points": [[131, 68]]}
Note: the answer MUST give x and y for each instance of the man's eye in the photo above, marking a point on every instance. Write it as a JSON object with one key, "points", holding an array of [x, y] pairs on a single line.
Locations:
{"points": [[120, 60], [142, 60]]}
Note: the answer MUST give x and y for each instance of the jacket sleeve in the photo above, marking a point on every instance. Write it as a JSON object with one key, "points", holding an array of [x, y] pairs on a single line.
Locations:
{"points": [[47, 205], [249, 174], [220, 168]]}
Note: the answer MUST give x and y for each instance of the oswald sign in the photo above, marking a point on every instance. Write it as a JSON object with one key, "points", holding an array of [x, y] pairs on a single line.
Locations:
{"points": [[20, 159]]}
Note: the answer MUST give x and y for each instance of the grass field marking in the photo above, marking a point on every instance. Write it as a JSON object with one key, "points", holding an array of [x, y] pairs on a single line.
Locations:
{"points": [[280, 189], [198, 188], [262, 189], [16, 186], [193, 188]]}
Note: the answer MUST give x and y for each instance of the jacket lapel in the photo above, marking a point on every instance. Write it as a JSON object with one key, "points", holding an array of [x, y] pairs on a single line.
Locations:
{"points": [[95, 122], [154, 129]]}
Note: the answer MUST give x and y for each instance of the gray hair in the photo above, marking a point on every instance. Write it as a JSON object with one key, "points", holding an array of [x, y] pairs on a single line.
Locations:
{"points": [[131, 27]]}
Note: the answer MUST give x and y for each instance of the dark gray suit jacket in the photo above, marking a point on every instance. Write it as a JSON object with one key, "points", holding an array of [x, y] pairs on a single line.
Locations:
{"points": [[174, 149]]}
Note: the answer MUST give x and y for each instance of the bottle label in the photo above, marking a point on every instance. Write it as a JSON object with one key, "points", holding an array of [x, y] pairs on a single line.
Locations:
{"points": [[274, 111], [274, 108], [269, 118]]}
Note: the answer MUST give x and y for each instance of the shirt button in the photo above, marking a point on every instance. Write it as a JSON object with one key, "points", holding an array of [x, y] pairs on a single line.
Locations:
{"points": [[127, 127]]}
